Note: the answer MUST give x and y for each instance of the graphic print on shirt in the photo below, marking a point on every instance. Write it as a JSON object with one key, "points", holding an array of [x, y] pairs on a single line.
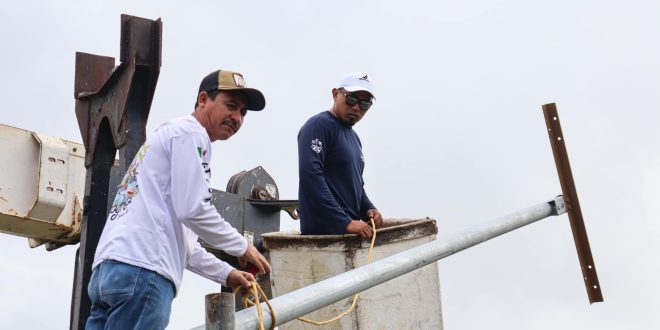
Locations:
{"points": [[317, 145], [207, 172], [128, 188]]}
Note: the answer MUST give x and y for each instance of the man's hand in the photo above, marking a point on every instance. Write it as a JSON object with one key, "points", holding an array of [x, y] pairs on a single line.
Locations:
{"points": [[376, 216], [238, 278], [253, 256], [359, 227]]}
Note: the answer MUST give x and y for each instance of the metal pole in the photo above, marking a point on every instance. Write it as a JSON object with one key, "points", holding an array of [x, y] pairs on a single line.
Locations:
{"points": [[95, 211], [220, 310], [308, 299]]}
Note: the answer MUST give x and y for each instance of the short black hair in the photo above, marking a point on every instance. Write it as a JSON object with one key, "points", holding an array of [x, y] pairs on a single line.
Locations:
{"points": [[212, 95]]}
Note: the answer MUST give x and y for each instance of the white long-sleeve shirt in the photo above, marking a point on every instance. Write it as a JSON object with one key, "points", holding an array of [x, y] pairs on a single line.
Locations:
{"points": [[164, 203]]}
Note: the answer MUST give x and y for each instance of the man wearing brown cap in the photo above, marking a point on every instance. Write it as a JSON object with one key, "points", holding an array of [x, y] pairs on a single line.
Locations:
{"points": [[162, 206], [330, 165]]}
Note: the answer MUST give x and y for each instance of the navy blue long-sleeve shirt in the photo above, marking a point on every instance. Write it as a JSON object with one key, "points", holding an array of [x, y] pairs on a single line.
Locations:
{"points": [[330, 166]]}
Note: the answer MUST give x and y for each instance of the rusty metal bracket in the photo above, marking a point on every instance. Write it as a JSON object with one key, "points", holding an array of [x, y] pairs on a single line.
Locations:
{"points": [[103, 91], [558, 144]]}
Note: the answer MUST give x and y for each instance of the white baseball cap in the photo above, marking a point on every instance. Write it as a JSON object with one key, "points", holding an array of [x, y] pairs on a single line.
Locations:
{"points": [[357, 81]]}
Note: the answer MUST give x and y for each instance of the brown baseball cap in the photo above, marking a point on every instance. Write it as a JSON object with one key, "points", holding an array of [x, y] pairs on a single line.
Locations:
{"points": [[228, 80]]}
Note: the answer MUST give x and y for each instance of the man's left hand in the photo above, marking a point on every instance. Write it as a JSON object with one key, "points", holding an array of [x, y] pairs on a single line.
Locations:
{"points": [[253, 256], [376, 216]]}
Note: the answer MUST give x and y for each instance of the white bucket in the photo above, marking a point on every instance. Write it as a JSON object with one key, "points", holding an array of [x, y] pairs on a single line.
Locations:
{"points": [[411, 301]]}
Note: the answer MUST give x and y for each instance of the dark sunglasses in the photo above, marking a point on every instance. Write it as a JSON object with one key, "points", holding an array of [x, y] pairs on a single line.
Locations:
{"points": [[351, 100]]}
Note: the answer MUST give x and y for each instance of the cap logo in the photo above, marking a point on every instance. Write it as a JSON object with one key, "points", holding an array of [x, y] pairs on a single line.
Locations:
{"points": [[238, 79], [365, 78]]}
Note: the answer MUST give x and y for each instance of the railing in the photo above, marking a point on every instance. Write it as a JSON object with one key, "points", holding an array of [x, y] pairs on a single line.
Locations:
{"points": [[308, 299]]}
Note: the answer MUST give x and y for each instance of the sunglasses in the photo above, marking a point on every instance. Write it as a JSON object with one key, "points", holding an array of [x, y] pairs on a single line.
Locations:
{"points": [[352, 100]]}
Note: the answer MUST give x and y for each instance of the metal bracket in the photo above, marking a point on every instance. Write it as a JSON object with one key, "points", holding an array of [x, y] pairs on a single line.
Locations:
{"points": [[558, 205], [53, 175], [289, 206], [558, 144], [104, 92]]}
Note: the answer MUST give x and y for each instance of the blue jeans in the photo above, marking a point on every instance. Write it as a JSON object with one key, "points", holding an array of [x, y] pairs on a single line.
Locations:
{"points": [[128, 297]]}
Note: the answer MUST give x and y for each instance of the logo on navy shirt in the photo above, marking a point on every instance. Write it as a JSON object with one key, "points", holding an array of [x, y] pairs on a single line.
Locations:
{"points": [[317, 145]]}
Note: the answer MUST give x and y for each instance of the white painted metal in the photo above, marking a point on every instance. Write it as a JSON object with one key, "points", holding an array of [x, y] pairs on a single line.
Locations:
{"points": [[409, 301], [41, 186], [53, 170]]}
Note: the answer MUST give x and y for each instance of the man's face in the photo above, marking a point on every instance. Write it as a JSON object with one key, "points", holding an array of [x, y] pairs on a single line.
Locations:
{"points": [[348, 114], [223, 116]]}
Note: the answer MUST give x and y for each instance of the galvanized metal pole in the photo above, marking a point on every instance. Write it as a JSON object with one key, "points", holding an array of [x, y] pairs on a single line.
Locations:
{"points": [[220, 310], [308, 299]]}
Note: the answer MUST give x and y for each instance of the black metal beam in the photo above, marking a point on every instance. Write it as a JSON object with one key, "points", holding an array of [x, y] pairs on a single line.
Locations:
{"points": [[95, 211]]}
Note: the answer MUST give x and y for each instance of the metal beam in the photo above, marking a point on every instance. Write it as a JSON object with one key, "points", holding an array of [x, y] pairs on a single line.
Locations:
{"points": [[308, 299], [558, 143], [112, 107]]}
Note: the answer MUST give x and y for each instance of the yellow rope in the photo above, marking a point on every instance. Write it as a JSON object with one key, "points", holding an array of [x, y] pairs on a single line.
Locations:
{"points": [[252, 296], [357, 295]]}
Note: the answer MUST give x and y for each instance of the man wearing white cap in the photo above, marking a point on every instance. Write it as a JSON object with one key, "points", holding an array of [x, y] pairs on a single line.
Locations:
{"points": [[330, 165]]}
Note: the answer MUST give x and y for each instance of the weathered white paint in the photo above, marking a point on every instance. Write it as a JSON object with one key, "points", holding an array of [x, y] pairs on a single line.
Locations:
{"points": [[411, 301], [53, 170], [41, 186]]}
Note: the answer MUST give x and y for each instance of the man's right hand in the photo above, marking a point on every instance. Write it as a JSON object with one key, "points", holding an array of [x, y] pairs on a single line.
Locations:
{"points": [[253, 256], [238, 278], [359, 227]]}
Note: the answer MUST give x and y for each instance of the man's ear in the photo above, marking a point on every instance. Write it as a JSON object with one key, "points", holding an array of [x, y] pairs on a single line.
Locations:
{"points": [[202, 98], [335, 92]]}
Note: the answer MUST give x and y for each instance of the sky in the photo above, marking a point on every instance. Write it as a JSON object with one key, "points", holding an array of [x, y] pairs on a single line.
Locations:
{"points": [[456, 134]]}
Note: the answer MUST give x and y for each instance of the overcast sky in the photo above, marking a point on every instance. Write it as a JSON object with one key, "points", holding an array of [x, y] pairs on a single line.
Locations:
{"points": [[457, 134]]}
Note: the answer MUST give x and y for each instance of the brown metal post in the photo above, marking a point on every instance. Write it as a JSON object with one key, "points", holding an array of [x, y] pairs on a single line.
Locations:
{"points": [[558, 144], [112, 107]]}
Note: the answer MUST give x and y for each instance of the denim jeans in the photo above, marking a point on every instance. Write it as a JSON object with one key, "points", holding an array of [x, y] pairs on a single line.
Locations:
{"points": [[128, 297]]}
